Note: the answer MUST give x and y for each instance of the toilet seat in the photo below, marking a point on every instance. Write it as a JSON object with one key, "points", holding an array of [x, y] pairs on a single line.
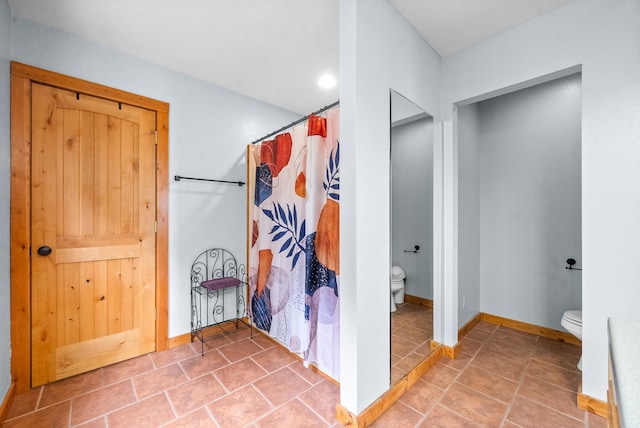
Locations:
{"points": [[572, 321], [574, 317], [398, 276]]}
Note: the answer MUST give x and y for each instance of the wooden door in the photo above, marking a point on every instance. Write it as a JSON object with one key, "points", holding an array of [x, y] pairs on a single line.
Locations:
{"points": [[93, 204]]}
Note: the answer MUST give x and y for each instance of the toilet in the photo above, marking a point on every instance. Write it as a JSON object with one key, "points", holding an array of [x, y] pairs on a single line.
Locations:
{"points": [[397, 286], [572, 322]]}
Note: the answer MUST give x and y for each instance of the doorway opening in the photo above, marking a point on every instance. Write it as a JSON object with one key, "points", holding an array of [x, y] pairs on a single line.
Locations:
{"points": [[519, 203]]}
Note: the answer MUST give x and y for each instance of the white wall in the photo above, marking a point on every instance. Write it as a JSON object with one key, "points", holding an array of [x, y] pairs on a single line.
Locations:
{"points": [[5, 312], [379, 50], [412, 203], [209, 128], [468, 136], [529, 161], [610, 63]]}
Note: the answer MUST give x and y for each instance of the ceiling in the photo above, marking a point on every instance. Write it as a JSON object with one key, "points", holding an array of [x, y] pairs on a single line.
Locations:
{"points": [[273, 51]]}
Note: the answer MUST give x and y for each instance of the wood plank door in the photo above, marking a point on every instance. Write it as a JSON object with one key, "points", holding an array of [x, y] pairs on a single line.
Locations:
{"points": [[93, 213]]}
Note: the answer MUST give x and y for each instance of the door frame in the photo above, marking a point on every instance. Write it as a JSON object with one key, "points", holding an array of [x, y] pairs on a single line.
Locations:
{"points": [[22, 76]]}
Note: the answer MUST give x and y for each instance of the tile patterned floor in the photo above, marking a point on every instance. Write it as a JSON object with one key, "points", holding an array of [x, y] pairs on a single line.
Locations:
{"points": [[238, 382], [502, 378], [411, 334]]}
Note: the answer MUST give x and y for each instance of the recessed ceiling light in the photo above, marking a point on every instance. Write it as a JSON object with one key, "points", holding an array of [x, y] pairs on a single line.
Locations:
{"points": [[327, 81]]}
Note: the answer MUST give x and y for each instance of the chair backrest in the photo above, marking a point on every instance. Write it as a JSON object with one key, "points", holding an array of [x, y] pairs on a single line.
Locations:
{"points": [[215, 263]]}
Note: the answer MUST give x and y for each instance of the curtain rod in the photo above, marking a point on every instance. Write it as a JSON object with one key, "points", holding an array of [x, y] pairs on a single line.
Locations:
{"points": [[179, 177], [296, 122]]}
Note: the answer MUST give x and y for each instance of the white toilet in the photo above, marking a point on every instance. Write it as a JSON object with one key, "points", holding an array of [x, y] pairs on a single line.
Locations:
{"points": [[397, 286], [572, 322]]}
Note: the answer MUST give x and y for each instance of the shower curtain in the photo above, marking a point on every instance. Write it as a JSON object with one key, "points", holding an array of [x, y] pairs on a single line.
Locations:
{"points": [[294, 262]]}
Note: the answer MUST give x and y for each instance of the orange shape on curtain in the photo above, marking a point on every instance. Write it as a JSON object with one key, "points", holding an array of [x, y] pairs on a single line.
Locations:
{"points": [[317, 125], [276, 153], [264, 269], [328, 236], [301, 185], [255, 234]]}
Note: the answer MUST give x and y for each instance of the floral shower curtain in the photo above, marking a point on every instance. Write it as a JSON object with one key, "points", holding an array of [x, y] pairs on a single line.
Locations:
{"points": [[294, 275]]}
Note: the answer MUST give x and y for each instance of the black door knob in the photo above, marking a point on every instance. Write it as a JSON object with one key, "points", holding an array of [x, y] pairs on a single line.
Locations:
{"points": [[44, 250]]}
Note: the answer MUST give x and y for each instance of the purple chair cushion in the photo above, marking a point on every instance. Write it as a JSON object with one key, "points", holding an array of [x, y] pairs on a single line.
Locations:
{"points": [[220, 283]]}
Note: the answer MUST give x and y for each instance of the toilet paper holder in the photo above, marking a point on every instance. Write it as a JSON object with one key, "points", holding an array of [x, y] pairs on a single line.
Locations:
{"points": [[571, 262]]}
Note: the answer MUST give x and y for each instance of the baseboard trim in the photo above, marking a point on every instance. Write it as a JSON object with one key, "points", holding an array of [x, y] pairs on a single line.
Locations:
{"points": [[427, 303], [212, 330], [532, 328], [382, 404], [346, 417], [592, 405], [179, 340], [452, 352], [6, 402], [462, 331]]}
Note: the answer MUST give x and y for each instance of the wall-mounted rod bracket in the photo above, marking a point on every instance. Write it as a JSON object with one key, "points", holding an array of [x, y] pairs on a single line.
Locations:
{"points": [[180, 177]]}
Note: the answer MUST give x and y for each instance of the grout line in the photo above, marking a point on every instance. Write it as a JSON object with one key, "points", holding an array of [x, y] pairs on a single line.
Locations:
{"points": [[213, 418], [224, 387], [223, 356], [70, 412], [133, 388], [553, 410], [186, 375], [39, 398], [273, 408], [518, 387], [445, 390], [297, 397], [173, 407], [473, 357]]}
